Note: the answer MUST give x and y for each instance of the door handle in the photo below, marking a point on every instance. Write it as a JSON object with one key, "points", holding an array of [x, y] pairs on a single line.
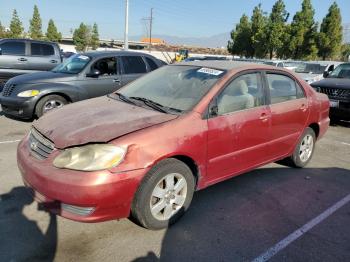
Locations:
{"points": [[22, 59], [116, 81], [264, 117], [303, 107], [53, 61]]}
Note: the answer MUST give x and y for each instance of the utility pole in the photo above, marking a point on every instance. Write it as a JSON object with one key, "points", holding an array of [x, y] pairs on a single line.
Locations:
{"points": [[126, 31], [150, 30]]}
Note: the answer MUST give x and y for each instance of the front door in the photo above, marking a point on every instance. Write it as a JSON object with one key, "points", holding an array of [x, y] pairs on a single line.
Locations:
{"points": [[107, 82], [238, 135]]}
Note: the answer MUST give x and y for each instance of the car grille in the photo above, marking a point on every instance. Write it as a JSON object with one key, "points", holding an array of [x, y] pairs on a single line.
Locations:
{"points": [[40, 147], [8, 89], [334, 92]]}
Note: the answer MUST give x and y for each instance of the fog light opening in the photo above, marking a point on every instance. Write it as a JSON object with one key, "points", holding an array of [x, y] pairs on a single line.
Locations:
{"points": [[76, 210]]}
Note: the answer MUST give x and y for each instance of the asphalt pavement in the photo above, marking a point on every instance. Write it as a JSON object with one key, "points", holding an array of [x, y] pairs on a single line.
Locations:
{"points": [[290, 214]]}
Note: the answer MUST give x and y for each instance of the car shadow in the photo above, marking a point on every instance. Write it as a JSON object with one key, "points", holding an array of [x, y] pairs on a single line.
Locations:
{"points": [[21, 239], [237, 219], [16, 118]]}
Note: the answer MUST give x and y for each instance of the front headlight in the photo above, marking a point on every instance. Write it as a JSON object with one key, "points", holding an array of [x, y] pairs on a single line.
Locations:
{"points": [[29, 93], [91, 157]]}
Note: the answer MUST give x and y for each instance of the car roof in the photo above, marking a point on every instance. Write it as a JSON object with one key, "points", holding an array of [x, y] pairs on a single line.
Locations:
{"points": [[116, 52], [29, 40], [224, 65]]}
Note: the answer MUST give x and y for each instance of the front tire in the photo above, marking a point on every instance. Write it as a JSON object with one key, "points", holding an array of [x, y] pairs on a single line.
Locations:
{"points": [[48, 103], [164, 194]]}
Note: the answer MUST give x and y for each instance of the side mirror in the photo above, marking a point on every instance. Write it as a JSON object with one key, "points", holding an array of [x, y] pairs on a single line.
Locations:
{"points": [[213, 111], [94, 73], [326, 74], [0, 51]]}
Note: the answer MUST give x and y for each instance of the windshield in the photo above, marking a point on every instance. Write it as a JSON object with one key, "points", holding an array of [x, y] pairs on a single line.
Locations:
{"points": [[177, 87], [311, 68], [341, 71], [73, 65]]}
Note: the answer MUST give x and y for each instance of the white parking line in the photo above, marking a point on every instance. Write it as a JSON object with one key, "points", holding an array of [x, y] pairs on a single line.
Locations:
{"points": [[301, 231], [348, 144], [9, 141]]}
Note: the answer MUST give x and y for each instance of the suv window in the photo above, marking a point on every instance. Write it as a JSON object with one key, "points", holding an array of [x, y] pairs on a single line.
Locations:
{"points": [[133, 65], [41, 49], [151, 63], [283, 88], [244, 92], [13, 48], [107, 66]]}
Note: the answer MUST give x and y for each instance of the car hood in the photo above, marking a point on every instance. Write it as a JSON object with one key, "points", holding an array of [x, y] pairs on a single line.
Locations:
{"points": [[42, 77], [96, 120], [333, 82], [307, 76]]}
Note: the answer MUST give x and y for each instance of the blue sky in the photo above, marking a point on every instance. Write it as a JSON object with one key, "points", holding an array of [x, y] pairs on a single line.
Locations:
{"points": [[184, 18]]}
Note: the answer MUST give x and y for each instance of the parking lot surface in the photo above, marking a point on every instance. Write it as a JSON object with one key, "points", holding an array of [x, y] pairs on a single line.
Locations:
{"points": [[237, 220]]}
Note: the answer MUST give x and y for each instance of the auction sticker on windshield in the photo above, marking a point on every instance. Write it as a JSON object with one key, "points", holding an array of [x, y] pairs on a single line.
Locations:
{"points": [[210, 71]]}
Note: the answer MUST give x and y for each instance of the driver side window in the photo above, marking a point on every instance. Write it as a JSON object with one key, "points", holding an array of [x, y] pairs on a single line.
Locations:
{"points": [[242, 93], [106, 66]]}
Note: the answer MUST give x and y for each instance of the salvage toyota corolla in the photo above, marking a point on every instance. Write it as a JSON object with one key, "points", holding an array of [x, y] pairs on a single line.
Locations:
{"points": [[142, 152]]}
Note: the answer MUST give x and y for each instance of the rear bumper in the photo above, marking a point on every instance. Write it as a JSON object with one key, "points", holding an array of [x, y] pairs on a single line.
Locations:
{"points": [[18, 107], [324, 125]]}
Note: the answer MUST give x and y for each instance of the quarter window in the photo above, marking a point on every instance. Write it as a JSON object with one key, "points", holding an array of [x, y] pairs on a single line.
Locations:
{"points": [[133, 65], [242, 93], [41, 49], [283, 88], [13, 48]]}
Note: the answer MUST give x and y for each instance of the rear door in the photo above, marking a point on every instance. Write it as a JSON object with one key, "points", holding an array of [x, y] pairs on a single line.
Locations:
{"points": [[13, 54], [107, 82], [238, 135], [132, 68], [42, 57], [289, 112]]}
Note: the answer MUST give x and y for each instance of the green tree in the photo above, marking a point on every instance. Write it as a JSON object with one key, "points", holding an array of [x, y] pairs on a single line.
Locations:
{"points": [[35, 31], [258, 32], [2, 31], [345, 51], [16, 28], [81, 37], [276, 28], [95, 38], [52, 33], [331, 33], [303, 40], [240, 43], [285, 51]]}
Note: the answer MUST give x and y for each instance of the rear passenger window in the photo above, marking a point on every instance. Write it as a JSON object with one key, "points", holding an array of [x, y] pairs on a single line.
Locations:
{"points": [[133, 65], [283, 88], [242, 93], [151, 63], [13, 48], [41, 49]]}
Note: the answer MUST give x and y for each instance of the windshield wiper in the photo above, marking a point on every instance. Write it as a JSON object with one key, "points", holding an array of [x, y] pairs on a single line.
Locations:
{"points": [[121, 97], [150, 103]]}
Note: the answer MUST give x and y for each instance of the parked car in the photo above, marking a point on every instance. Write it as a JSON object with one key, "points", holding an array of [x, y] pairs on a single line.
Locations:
{"points": [[313, 71], [80, 77], [291, 65], [145, 149], [337, 86], [20, 56]]}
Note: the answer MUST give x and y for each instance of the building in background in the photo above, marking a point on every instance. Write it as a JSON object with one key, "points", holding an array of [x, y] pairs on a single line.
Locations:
{"points": [[155, 41]]}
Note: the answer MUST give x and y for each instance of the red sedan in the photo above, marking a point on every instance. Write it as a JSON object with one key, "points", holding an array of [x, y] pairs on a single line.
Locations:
{"points": [[143, 151]]}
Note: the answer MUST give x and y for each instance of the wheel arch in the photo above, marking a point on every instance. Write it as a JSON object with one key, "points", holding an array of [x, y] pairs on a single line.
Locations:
{"points": [[316, 128]]}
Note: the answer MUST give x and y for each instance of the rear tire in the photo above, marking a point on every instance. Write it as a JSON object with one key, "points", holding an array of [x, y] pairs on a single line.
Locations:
{"points": [[164, 195], [48, 103], [304, 150]]}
